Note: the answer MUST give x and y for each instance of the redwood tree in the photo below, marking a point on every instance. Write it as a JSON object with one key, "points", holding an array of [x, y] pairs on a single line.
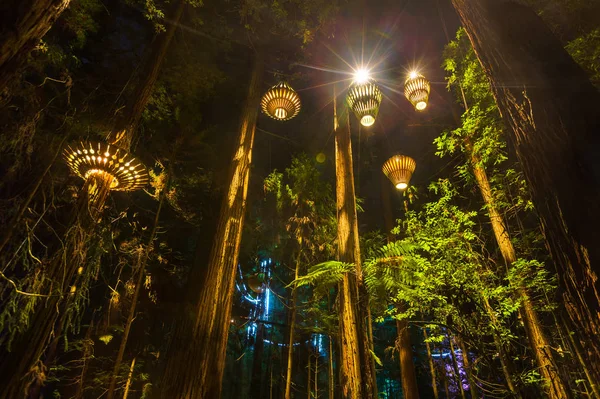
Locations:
{"points": [[22, 24], [552, 111]]}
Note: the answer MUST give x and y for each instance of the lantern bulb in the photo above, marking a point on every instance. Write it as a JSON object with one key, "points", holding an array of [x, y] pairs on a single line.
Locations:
{"points": [[421, 105], [413, 75], [361, 76], [367, 120], [280, 113], [401, 186]]}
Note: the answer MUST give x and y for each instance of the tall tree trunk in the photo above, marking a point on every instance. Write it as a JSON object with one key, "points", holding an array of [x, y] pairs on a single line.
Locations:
{"points": [[408, 376], [128, 118], [431, 367], [357, 374], [594, 384], [410, 388], [331, 374], [142, 261], [22, 24], [552, 110], [196, 357], [290, 354], [456, 368], [538, 342], [129, 379], [467, 362]]}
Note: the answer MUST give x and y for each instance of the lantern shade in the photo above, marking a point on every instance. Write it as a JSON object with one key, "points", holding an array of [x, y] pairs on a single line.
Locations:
{"points": [[93, 158], [281, 102], [399, 170], [364, 100], [416, 90]]}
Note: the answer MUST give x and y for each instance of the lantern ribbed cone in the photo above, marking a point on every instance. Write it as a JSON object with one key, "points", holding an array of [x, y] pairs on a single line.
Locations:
{"points": [[281, 102], [416, 90], [88, 158], [399, 170], [364, 100]]}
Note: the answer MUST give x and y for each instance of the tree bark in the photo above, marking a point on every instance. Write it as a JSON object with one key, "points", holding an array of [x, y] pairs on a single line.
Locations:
{"points": [[555, 387], [431, 367], [467, 363], [331, 373], [357, 375], [290, 354], [456, 368], [196, 357], [22, 24], [552, 110], [128, 118], [408, 376], [129, 379]]}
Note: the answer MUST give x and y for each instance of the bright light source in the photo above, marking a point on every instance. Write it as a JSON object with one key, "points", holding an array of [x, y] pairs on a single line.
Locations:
{"points": [[401, 186], [361, 75], [421, 105], [413, 75], [367, 120]]}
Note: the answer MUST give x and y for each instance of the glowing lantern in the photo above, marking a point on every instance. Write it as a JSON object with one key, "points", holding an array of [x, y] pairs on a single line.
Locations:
{"points": [[281, 102], [87, 159], [399, 170], [256, 283], [416, 90], [364, 99]]}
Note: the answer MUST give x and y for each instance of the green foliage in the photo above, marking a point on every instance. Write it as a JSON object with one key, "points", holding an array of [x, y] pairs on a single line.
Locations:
{"points": [[586, 51]]}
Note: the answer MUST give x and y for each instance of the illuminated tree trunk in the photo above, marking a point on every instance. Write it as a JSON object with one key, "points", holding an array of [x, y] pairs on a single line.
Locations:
{"points": [[357, 374], [196, 357], [128, 118], [23, 367], [431, 367], [410, 388], [129, 379], [552, 110], [467, 362], [142, 261], [331, 374], [408, 376], [456, 368], [22, 24], [290, 354], [539, 344]]}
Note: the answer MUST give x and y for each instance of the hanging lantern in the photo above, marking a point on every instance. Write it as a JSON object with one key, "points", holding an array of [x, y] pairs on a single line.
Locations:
{"points": [[125, 172], [281, 102], [256, 283], [364, 99], [416, 90], [399, 170]]}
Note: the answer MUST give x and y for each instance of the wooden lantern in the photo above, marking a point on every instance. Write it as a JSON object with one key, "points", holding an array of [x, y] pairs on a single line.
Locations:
{"points": [[416, 90], [364, 100], [94, 159], [399, 170], [281, 102]]}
